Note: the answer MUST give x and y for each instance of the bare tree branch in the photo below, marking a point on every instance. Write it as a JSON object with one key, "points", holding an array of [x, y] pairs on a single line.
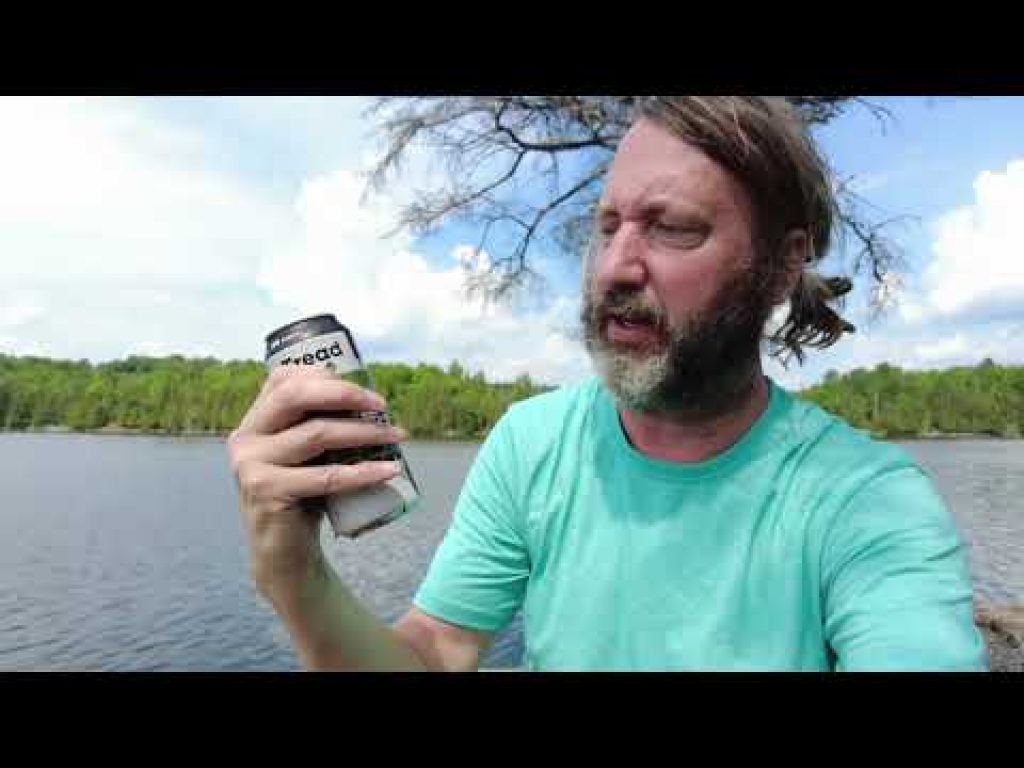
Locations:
{"points": [[488, 145]]}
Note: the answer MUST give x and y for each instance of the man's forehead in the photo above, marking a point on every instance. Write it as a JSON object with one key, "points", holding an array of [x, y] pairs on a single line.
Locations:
{"points": [[652, 167], [661, 189], [664, 188]]}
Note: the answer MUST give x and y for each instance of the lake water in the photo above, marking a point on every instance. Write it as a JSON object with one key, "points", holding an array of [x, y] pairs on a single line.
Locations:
{"points": [[127, 553]]}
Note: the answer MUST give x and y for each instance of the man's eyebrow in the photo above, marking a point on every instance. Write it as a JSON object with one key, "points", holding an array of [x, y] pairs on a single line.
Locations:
{"points": [[656, 204], [662, 201]]}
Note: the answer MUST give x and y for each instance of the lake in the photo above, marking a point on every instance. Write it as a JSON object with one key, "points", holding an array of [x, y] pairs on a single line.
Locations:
{"points": [[127, 552]]}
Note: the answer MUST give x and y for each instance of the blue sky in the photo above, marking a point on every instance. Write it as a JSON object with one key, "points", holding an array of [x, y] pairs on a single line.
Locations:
{"points": [[196, 225]]}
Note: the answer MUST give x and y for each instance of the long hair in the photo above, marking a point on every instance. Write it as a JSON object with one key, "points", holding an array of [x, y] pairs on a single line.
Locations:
{"points": [[764, 143]]}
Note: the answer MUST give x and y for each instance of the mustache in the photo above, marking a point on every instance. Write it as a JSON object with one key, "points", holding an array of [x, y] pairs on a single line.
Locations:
{"points": [[629, 304]]}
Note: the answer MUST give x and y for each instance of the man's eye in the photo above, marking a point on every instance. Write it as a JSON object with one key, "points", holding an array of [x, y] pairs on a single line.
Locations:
{"points": [[681, 234]]}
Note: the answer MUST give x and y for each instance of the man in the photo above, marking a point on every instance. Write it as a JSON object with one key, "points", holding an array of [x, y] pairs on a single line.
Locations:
{"points": [[680, 511]]}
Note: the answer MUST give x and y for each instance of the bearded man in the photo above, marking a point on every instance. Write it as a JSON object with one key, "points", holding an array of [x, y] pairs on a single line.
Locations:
{"points": [[677, 511]]}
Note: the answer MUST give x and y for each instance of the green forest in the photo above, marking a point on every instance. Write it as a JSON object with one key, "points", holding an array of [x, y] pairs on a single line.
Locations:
{"points": [[890, 402], [188, 395]]}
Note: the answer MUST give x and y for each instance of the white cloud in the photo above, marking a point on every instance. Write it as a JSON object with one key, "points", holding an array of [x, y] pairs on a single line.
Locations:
{"points": [[912, 347], [116, 239], [120, 235], [978, 267], [126, 229], [943, 349], [393, 299], [93, 192], [20, 311], [965, 305]]}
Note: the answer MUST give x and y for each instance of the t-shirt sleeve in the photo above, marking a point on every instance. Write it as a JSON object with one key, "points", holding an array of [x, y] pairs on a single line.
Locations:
{"points": [[478, 574], [898, 593]]}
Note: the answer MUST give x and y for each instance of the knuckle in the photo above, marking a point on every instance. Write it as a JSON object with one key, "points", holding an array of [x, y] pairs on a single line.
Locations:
{"points": [[371, 435], [278, 375], [318, 435], [236, 453], [289, 392], [238, 439], [348, 389], [254, 479], [245, 423], [332, 481], [339, 477]]}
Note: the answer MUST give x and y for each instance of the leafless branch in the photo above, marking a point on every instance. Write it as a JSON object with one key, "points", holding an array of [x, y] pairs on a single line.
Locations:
{"points": [[487, 146]]}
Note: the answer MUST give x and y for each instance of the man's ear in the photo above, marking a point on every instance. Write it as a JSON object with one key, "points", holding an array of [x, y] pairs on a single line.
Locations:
{"points": [[794, 255]]}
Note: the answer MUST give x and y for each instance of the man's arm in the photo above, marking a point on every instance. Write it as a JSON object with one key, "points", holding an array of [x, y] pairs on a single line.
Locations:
{"points": [[441, 646], [478, 576], [333, 631], [475, 583], [269, 453], [896, 588]]}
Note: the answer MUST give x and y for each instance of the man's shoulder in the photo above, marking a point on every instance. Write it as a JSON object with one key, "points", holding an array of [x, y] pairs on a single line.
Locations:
{"points": [[832, 443], [541, 426], [834, 463], [555, 407]]}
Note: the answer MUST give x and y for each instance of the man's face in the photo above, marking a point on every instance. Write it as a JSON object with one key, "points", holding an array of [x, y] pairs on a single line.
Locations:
{"points": [[675, 299]]}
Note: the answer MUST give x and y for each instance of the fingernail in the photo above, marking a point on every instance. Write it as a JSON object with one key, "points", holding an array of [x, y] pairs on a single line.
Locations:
{"points": [[399, 433], [396, 467], [377, 401]]}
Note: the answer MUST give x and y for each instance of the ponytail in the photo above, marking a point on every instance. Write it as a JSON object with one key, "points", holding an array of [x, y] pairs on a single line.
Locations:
{"points": [[811, 322]]}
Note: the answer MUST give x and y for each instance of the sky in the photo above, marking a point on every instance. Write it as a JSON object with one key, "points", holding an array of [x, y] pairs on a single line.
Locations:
{"points": [[195, 226]]}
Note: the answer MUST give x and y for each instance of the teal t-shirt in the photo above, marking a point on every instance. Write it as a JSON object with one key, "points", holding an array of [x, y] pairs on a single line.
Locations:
{"points": [[805, 546]]}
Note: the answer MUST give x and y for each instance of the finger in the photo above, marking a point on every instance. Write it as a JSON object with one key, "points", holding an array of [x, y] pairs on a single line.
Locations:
{"points": [[274, 379], [289, 400], [311, 438], [282, 373], [266, 481]]}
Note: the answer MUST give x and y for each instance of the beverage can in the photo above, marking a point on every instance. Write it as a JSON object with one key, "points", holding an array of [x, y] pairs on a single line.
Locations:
{"points": [[321, 340]]}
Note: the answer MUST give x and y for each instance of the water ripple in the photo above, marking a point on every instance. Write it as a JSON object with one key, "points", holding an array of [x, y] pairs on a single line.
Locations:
{"points": [[147, 570]]}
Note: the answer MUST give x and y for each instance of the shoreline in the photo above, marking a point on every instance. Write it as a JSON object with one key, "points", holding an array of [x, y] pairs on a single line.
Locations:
{"points": [[948, 436], [122, 431], [131, 432]]}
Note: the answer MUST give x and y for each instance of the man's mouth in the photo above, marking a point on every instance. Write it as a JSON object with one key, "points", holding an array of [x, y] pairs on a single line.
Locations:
{"points": [[633, 329]]}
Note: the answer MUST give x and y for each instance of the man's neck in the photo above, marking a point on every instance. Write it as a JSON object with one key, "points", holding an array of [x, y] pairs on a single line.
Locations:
{"points": [[662, 437]]}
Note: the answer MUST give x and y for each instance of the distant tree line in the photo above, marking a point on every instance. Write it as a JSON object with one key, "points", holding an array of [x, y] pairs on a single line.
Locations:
{"points": [[983, 399], [187, 395]]}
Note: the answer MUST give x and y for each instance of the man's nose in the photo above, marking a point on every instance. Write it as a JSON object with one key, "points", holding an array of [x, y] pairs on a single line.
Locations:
{"points": [[623, 258]]}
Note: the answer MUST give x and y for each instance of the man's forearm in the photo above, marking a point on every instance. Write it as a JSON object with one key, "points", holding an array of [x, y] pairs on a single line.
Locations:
{"points": [[333, 631]]}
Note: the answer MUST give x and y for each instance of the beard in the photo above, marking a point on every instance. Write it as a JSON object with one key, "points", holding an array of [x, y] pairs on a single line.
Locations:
{"points": [[691, 372]]}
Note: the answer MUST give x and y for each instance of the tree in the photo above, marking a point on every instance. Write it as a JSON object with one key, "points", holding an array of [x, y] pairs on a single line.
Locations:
{"points": [[489, 147]]}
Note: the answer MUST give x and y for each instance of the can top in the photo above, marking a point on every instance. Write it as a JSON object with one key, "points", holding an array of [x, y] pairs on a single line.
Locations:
{"points": [[305, 328]]}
